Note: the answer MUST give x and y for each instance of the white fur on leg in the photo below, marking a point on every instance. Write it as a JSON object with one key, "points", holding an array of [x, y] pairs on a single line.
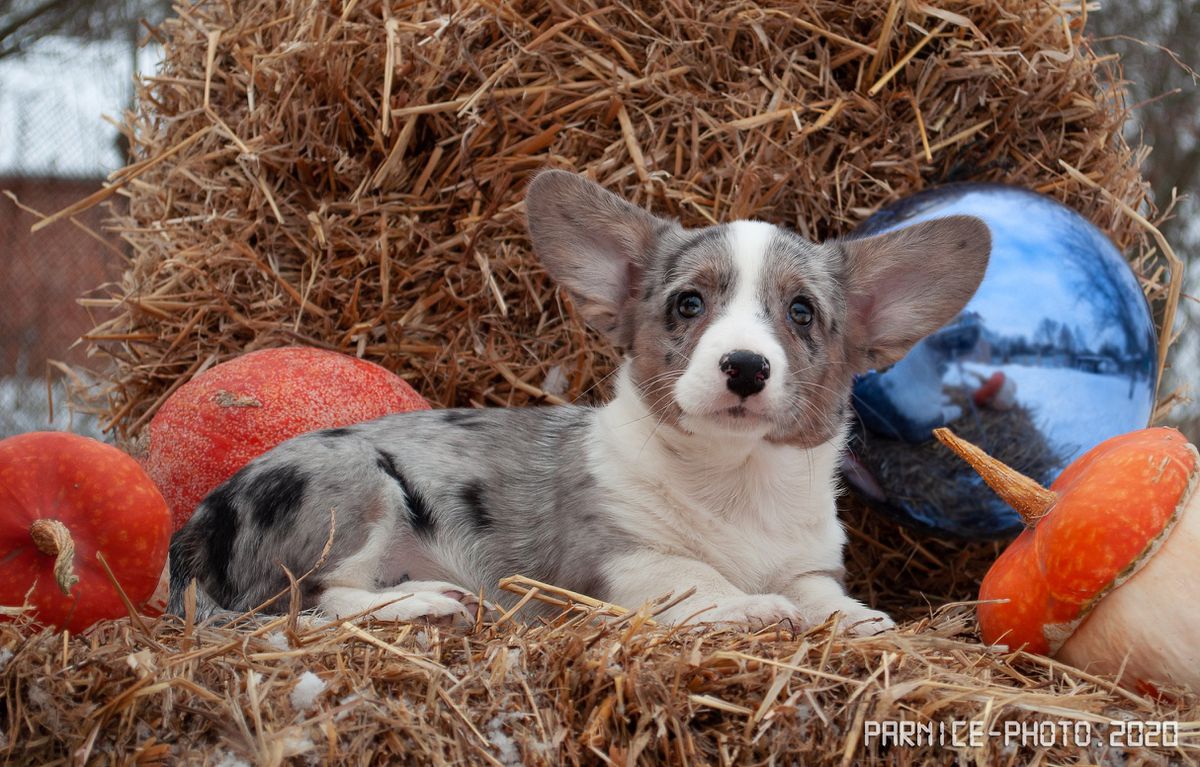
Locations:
{"points": [[756, 610], [819, 596], [411, 600], [418, 600], [639, 577]]}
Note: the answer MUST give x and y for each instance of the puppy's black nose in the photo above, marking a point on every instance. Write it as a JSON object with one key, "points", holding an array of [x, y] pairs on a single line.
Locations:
{"points": [[747, 372]]}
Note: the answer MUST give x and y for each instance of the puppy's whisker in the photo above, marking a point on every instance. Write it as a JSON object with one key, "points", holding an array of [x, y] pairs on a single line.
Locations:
{"points": [[600, 381]]}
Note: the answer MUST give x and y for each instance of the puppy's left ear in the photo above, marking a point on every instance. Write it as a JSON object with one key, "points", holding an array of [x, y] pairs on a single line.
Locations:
{"points": [[594, 244], [903, 285]]}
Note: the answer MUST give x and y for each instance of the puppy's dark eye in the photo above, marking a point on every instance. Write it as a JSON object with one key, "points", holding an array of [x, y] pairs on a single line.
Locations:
{"points": [[800, 312], [689, 305]]}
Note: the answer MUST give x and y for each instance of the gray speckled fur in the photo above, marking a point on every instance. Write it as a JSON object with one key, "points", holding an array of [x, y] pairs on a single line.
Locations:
{"points": [[529, 463]]}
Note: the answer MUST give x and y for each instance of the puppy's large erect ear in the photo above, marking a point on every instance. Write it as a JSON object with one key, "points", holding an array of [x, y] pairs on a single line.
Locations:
{"points": [[903, 285], [593, 243]]}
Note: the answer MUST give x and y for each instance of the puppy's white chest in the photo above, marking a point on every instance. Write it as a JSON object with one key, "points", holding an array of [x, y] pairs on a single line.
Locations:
{"points": [[758, 515], [750, 547], [759, 523]]}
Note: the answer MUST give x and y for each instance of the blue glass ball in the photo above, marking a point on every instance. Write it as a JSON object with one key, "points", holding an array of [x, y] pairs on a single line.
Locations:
{"points": [[1055, 353]]}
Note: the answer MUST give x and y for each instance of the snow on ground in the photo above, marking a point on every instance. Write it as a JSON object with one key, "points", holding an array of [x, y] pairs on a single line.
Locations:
{"points": [[53, 100], [308, 688], [24, 407], [1076, 409]]}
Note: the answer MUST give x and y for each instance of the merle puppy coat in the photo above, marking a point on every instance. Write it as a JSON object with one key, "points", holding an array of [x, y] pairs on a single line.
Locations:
{"points": [[713, 468]]}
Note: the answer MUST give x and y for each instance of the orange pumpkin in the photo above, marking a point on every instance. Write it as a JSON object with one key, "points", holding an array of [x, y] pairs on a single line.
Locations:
{"points": [[66, 500], [225, 417], [1104, 574]]}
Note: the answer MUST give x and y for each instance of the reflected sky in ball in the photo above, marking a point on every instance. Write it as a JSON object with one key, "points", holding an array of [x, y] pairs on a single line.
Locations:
{"points": [[1059, 312]]}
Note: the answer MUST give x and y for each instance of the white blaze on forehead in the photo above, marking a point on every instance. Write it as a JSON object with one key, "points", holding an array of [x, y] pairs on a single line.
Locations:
{"points": [[742, 320], [739, 326], [748, 241]]}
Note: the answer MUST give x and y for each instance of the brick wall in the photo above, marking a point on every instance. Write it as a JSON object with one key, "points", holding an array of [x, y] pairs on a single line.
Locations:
{"points": [[42, 275]]}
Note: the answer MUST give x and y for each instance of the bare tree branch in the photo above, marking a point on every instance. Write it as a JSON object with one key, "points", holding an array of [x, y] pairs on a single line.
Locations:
{"points": [[23, 22]]}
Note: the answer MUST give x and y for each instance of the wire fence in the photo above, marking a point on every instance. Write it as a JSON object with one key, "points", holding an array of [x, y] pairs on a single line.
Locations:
{"points": [[42, 276], [55, 149]]}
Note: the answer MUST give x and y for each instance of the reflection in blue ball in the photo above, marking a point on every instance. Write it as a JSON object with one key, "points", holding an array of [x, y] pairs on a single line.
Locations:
{"points": [[1054, 354]]}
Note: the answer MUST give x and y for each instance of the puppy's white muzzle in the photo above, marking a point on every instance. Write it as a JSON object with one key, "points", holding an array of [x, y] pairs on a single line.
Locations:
{"points": [[737, 370]]}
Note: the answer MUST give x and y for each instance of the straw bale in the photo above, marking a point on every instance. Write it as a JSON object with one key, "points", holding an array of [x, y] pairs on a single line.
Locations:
{"points": [[348, 174], [574, 691]]}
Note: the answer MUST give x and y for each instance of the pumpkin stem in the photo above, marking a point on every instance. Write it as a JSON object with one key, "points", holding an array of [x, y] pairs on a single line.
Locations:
{"points": [[1030, 499], [53, 539]]}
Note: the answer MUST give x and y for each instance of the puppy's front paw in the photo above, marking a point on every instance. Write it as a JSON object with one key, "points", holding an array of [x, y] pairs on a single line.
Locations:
{"points": [[860, 620], [433, 601], [756, 610], [468, 600]]}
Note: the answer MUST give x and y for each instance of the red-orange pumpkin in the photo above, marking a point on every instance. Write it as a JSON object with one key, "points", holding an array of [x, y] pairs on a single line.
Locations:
{"points": [[65, 499], [225, 417]]}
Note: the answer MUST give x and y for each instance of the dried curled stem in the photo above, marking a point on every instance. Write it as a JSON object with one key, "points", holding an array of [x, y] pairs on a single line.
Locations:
{"points": [[1031, 500], [53, 539]]}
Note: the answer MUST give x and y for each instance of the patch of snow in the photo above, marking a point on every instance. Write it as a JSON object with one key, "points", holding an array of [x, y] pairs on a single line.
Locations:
{"points": [[346, 704], [307, 689], [506, 748], [229, 760], [294, 745], [1075, 409], [41, 699], [37, 695], [556, 381], [25, 407]]}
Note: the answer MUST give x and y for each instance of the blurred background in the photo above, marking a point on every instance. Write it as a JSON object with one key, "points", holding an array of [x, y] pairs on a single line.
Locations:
{"points": [[66, 75]]}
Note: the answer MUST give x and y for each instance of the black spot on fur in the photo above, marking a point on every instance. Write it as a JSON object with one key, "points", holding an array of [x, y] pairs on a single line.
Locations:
{"points": [[311, 589], [466, 419], [275, 493], [594, 585], [724, 282], [184, 552], [219, 530], [420, 517], [385, 462], [472, 498], [334, 439]]}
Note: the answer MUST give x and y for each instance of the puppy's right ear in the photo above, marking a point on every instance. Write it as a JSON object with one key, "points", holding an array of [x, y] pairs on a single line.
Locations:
{"points": [[594, 244]]}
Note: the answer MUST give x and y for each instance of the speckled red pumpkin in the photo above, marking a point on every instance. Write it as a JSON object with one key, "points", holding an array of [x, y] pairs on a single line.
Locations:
{"points": [[225, 417], [65, 499]]}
